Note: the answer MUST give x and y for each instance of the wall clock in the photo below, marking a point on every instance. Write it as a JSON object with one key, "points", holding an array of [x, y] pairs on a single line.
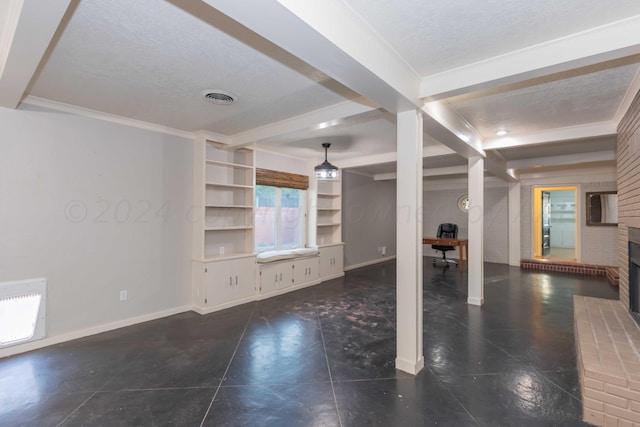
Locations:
{"points": [[463, 203]]}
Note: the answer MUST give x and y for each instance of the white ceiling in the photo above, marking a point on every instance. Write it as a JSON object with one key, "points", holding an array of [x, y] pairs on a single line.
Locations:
{"points": [[557, 74]]}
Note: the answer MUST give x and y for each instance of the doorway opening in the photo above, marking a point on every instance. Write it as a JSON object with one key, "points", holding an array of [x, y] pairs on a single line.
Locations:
{"points": [[555, 230]]}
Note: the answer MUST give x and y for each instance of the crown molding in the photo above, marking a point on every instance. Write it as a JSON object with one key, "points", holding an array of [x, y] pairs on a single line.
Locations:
{"points": [[107, 117]]}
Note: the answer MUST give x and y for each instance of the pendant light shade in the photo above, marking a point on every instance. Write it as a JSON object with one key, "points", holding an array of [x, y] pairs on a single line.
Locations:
{"points": [[325, 170]]}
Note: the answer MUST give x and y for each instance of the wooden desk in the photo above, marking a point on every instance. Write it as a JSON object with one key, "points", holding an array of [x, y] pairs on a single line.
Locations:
{"points": [[460, 243]]}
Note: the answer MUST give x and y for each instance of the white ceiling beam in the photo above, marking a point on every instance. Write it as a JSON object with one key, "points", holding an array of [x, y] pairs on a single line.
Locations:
{"points": [[333, 38], [565, 160], [29, 26], [451, 170], [319, 119], [591, 130], [392, 157], [613, 41], [628, 98], [495, 165], [450, 129]]}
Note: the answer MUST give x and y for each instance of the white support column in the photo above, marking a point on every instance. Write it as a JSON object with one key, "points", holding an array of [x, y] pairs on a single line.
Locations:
{"points": [[476, 225], [514, 223], [409, 296]]}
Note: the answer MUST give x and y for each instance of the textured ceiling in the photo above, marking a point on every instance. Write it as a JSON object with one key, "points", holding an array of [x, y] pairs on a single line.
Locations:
{"points": [[587, 98], [150, 60], [437, 35]]}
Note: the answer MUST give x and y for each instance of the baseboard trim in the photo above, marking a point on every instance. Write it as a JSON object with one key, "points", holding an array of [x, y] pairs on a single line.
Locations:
{"points": [[475, 301], [367, 263], [34, 345], [410, 367]]}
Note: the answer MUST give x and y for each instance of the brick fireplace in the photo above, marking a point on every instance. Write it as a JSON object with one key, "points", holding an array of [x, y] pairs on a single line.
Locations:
{"points": [[608, 332]]}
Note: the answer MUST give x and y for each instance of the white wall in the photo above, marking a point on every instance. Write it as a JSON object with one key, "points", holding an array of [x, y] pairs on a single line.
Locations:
{"points": [[441, 205], [279, 162], [95, 207], [596, 245], [368, 218]]}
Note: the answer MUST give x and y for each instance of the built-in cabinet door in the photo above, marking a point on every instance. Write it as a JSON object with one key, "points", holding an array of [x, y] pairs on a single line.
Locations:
{"points": [[306, 270], [274, 276], [229, 280], [331, 263]]}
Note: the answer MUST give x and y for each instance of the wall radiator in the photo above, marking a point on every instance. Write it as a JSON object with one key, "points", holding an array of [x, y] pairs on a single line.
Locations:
{"points": [[22, 311]]}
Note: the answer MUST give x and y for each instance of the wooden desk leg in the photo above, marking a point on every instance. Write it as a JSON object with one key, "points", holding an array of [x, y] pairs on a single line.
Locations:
{"points": [[461, 260]]}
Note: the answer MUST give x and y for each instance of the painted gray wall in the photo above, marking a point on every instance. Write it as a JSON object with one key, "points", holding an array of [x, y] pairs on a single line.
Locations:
{"points": [[95, 208], [368, 218], [441, 206]]}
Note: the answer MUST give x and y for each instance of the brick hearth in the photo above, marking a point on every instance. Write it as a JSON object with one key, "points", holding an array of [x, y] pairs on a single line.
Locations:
{"points": [[607, 341]]}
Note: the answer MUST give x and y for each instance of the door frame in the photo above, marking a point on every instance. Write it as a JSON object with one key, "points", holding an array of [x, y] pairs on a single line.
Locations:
{"points": [[537, 217]]}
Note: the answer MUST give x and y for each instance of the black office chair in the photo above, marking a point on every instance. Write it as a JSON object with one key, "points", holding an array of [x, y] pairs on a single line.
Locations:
{"points": [[446, 231]]}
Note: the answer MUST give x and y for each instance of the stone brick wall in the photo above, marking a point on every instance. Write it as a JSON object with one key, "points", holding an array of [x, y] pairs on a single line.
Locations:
{"points": [[628, 159]]}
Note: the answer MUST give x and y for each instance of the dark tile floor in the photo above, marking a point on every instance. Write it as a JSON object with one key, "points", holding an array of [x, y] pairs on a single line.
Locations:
{"points": [[323, 356]]}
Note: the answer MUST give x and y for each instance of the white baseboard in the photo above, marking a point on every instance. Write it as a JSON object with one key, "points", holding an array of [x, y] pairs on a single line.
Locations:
{"points": [[366, 263], [213, 309], [475, 301], [410, 367], [333, 276], [34, 345]]}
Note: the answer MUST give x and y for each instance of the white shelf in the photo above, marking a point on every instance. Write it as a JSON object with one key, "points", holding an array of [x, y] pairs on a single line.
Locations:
{"points": [[229, 227], [221, 184], [231, 165], [328, 210], [230, 206]]}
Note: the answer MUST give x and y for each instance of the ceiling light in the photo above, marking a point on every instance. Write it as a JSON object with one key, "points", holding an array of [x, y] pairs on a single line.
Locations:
{"points": [[502, 132], [325, 170], [219, 97]]}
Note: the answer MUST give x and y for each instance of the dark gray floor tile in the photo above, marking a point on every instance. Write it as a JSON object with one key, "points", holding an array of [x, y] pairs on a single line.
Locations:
{"points": [[177, 407], [286, 359], [277, 406], [417, 401], [524, 398], [569, 381], [354, 356], [34, 408], [517, 352], [542, 349], [194, 363], [76, 366]]}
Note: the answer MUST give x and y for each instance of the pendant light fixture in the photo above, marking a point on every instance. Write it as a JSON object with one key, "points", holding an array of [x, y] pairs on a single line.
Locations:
{"points": [[325, 170]]}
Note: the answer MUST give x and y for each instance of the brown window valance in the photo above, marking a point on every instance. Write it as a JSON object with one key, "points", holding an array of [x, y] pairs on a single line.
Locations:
{"points": [[281, 179]]}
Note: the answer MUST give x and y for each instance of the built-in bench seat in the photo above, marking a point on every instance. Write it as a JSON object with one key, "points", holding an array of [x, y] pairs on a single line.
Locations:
{"points": [[271, 256], [607, 341]]}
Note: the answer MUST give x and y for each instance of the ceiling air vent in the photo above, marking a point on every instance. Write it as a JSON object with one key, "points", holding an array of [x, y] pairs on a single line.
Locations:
{"points": [[220, 97]]}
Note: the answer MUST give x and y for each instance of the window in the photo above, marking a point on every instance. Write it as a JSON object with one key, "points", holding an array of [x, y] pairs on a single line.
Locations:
{"points": [[279, 218]]}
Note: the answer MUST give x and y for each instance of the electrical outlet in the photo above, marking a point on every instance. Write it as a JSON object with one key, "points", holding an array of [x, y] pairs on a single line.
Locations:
{"points": [[221, 250], [384, 250], [123, 295]]}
